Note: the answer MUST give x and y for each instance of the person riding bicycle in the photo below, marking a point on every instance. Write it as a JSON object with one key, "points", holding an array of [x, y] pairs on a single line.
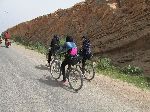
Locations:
{"points": [[54, 47], [85, 51], [71, 51], [6, 37]]}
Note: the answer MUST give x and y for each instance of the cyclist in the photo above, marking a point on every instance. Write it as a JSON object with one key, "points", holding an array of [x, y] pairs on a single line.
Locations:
{"points": [[71, 51], [54, 47], [6, 37], [86, 51]]}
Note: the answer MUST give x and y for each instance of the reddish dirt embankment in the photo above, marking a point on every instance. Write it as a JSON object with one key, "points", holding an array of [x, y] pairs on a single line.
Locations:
{"points": [[123, 34]]}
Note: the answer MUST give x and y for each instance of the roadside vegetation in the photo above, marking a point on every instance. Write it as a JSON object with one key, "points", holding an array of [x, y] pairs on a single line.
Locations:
{"points": [[130, 74], [37, 46]]}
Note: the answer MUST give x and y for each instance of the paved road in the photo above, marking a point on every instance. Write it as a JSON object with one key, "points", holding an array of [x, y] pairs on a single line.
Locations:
{"points": [[26, 86]]}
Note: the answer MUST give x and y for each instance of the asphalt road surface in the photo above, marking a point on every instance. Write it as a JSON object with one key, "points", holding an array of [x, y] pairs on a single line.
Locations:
{"points": [[26, 86]]}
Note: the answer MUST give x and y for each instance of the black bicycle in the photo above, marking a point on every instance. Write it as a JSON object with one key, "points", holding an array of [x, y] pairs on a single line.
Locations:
{"points": [[53, 56], [74, 76], [89, 70], [55, 66]]}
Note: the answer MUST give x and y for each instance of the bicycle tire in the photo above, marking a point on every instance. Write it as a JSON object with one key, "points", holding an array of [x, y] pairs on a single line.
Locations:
{"points": [[72, 78], [46, 56], [89, 72], [55, 69]]}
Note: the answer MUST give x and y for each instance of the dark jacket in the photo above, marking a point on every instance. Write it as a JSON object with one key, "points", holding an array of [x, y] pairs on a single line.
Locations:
{"points": [[54, 42]]}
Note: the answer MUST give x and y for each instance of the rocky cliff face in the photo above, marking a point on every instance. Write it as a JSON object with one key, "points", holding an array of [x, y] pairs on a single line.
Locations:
{"points": [[123, 34]]}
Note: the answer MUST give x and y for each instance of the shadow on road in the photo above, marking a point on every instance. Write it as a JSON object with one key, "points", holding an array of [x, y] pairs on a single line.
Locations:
{"points": [[49, 81], [3, 46], [42, 67], [54, 83]]}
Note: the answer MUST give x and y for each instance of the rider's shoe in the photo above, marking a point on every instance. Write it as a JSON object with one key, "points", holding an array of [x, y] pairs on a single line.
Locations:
{"points": [[64, 82]]}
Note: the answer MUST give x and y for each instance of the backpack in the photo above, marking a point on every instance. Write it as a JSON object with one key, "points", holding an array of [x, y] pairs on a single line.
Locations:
{"points": [[87, 54], [73, 51]]}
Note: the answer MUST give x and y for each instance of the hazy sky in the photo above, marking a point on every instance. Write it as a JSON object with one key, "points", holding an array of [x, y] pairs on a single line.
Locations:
{"points": [[13, 12]]}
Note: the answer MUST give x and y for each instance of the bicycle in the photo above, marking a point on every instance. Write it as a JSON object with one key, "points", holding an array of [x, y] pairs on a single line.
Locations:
{"points": [[89, 70], [54, 55], [55, 67], [73, 75], [7, 43]]}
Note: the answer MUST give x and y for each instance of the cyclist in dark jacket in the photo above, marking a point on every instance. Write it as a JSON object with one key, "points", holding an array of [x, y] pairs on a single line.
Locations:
{"points": [[86, 51], [71, 51], [54, 47]]}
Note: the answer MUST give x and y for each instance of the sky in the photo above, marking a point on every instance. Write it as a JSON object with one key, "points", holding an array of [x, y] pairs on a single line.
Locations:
{"points": [[13, 12]]}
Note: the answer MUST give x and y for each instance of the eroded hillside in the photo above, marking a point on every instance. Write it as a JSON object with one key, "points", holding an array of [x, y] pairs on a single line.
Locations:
{"points": [[123, 34]]}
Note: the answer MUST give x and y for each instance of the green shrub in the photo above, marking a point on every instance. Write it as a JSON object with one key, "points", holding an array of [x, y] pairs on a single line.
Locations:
{"points": [[39, 46], [62, 41], [104, 63], [132, 70]]}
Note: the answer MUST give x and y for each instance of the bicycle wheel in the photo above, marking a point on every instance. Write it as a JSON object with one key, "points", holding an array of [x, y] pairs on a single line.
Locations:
{"points": [[46, 56], [75, 79], [55, 69], [89, 71]]}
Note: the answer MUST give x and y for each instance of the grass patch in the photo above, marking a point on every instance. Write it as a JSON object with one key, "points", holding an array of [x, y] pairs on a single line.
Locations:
{"points": [[62, 41], [130, 74], [37, 46]]}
